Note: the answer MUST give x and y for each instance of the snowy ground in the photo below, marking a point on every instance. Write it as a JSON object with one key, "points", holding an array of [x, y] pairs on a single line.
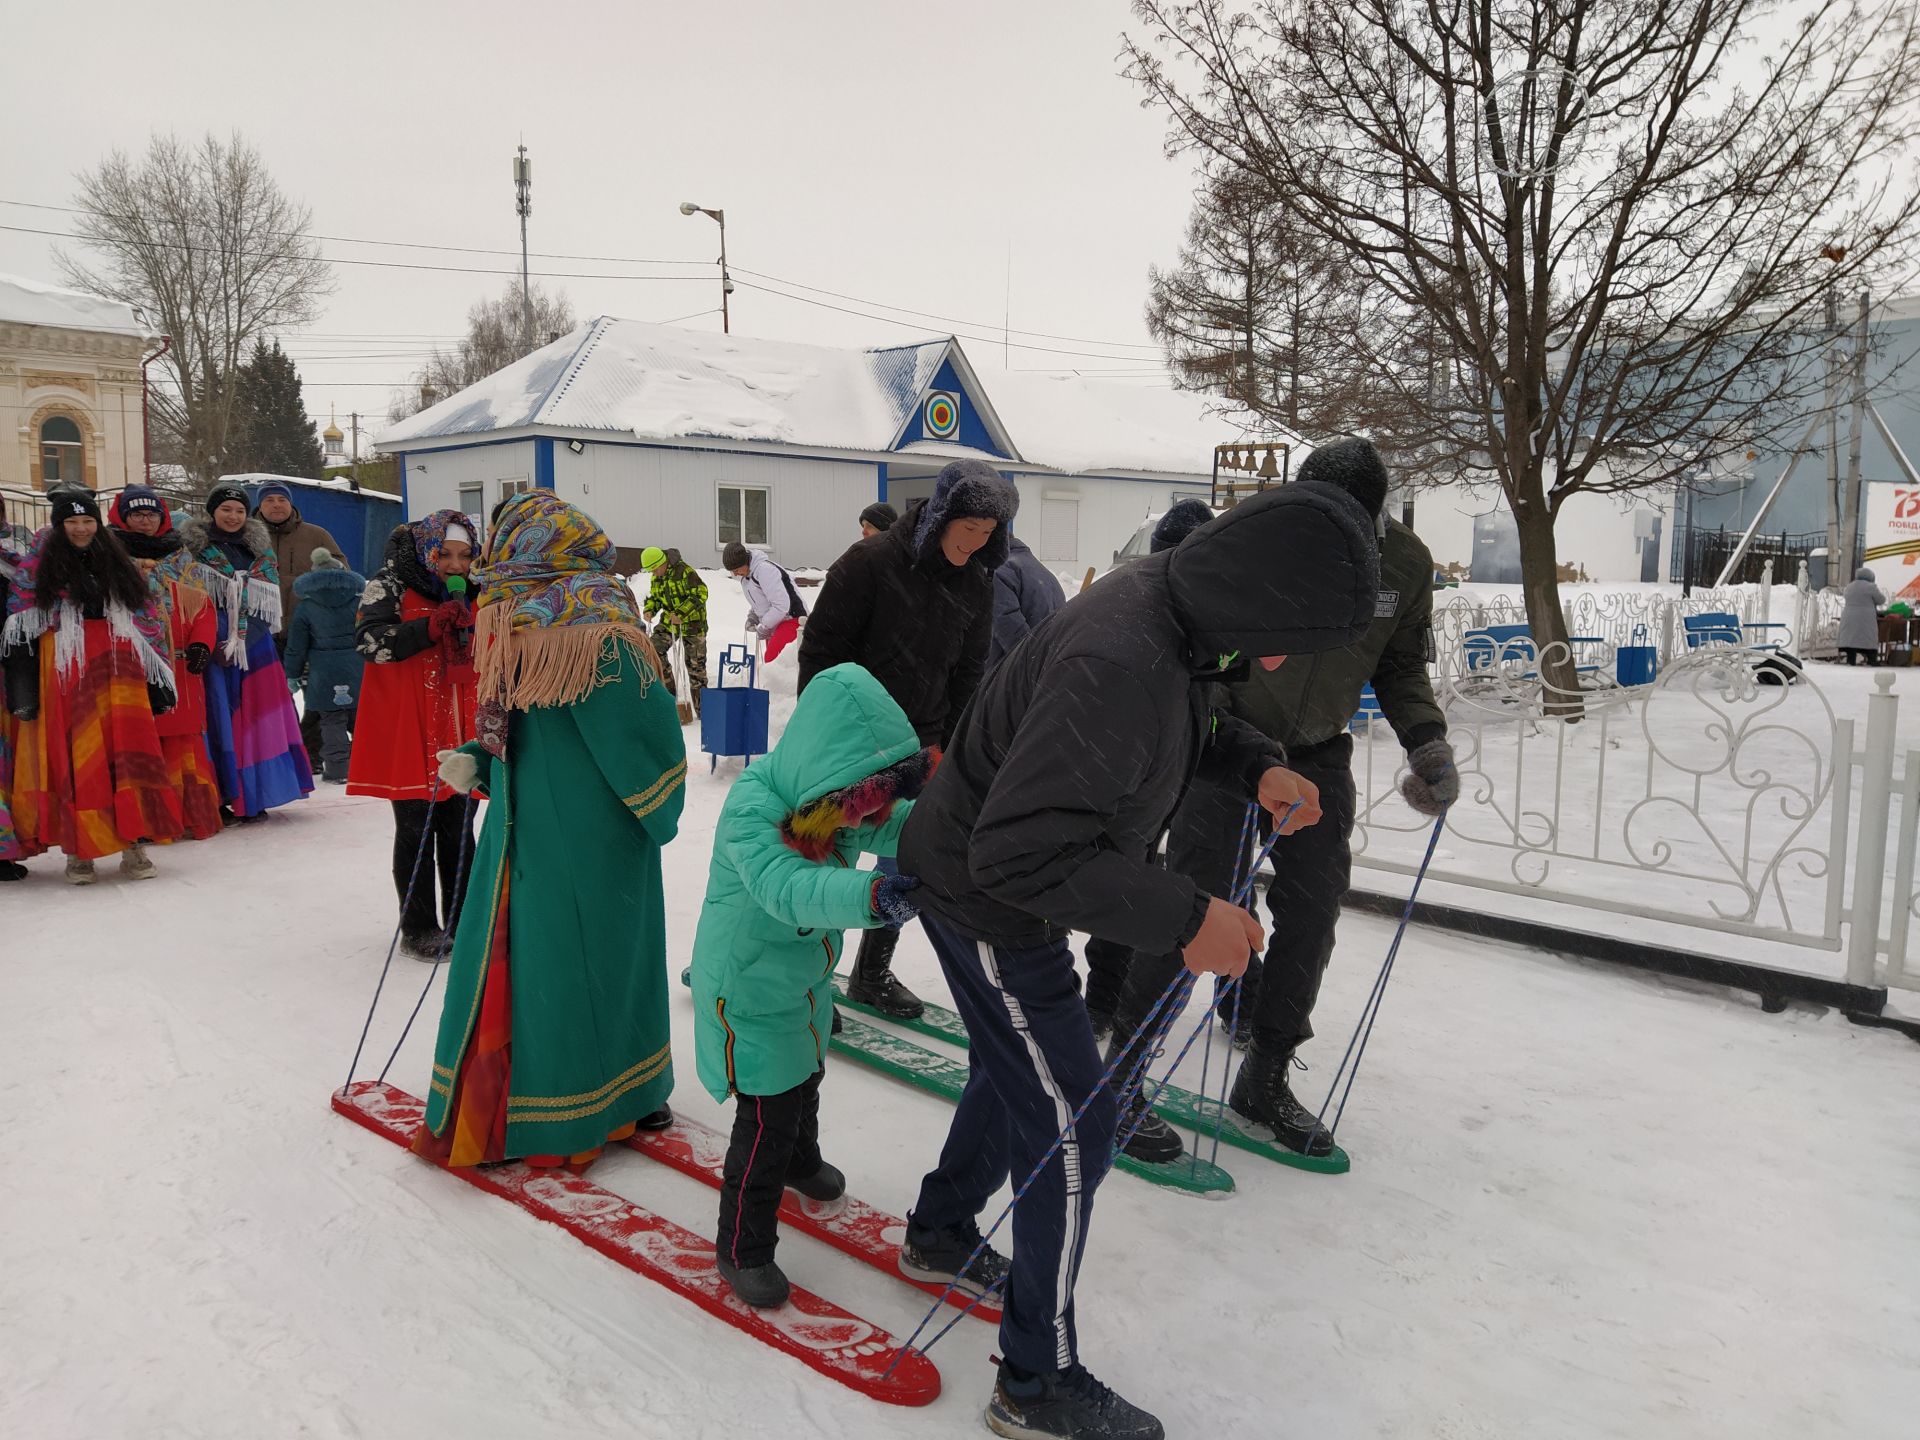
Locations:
{"points": [[1583, 1203]]}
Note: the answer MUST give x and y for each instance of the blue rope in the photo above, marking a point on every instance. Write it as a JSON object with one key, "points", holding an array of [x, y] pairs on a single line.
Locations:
{"points": [[1371, 1010], [393, 945], [459, 888]]}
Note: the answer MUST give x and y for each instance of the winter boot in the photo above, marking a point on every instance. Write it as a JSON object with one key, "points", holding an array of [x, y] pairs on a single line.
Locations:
{"points": [[762, 1286], [873, 981], [825, 1184], [135, 865], [660, 1119], [80, 872], [1065, 1403], [940, 1255], [838, 1023], [1152, 1140], [430, 946], [12, 870], [1235, 1012], [1261, 1095]]}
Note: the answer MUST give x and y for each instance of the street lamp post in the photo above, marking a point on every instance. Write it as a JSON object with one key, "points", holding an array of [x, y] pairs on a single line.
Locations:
{"points": [[726, 281]]}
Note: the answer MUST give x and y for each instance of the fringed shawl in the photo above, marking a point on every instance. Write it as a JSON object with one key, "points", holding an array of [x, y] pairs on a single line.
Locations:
{"points": [[28, 619], [551, 608], [204, 566]]}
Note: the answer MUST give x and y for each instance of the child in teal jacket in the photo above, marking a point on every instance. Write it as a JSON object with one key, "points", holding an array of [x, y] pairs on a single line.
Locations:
{"points": [[781, 888]]}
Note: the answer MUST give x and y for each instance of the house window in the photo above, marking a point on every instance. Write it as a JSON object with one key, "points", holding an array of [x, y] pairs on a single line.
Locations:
{"points": [[514, 487], [742, 515], [62, 454]]}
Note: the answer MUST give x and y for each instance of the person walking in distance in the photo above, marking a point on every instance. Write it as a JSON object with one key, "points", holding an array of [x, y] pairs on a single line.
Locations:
{"points": [[676, 605], [913, 605], [1040, 820]]}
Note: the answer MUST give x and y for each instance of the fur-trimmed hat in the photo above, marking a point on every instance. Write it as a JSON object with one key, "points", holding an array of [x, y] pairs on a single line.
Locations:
{"points": [[969, 490], [869, 801], [72, 504]]}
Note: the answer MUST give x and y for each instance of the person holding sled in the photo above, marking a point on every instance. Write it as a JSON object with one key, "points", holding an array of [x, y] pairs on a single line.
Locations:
{"points": [[323, 654], [1040, 820], [87, 663], [780, 889], [676, 605], [913, 604], [140, 520], [416, 699], [253, 732], [1304, 707], [554, 1039]]}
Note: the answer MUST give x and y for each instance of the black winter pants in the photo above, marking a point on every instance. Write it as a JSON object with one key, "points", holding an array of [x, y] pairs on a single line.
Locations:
{"points": [[1031, 1063], [776, 1138], [446, 827], [1312, 869]]}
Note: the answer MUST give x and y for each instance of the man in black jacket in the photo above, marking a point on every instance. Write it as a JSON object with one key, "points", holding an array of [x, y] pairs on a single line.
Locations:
{"points": [[1042, 820], [913, 604]]}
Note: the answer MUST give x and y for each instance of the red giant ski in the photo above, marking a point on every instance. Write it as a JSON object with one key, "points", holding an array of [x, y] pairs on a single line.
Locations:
{"points": [[851, 1226], [814, 1331]]}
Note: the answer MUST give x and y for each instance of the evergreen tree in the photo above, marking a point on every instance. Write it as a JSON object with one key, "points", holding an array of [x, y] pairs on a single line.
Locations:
{"points": [[271, 432]]}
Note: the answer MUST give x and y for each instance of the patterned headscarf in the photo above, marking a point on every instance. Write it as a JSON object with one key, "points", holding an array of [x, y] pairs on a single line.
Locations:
{"points": [[550, 603], [430, 532]]}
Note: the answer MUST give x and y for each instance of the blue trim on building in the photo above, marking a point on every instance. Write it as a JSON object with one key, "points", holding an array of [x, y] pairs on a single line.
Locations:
{"points": [[400, 458], [543, 462], [972, 431], [882, 468]]}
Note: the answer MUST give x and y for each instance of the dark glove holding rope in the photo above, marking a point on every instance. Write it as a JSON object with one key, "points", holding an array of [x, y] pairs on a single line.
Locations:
{"points": [[199, 656], [892, 899], [1432, 782]]}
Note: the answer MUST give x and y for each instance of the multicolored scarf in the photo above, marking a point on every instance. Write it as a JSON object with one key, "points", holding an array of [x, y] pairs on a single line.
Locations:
{"points": [[550, 603], [205, 566], [31, 615]]}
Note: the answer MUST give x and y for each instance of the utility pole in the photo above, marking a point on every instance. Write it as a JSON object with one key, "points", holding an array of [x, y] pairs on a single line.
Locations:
{"points": [[1835, 580], [1852, 499], [523, 203], [356, 449]]}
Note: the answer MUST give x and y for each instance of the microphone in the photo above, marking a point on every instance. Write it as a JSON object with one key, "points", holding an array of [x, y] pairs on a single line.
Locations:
{"points": [[456, 585]]}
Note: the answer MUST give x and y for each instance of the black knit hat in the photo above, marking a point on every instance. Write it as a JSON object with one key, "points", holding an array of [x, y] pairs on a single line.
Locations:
{"points": [[220, 494], [1353, 465], [880, 515], [1182, 520], [72, 504]]}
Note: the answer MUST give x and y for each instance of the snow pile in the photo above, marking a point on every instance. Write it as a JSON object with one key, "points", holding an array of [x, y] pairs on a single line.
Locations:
{"points": [[33, 302]]}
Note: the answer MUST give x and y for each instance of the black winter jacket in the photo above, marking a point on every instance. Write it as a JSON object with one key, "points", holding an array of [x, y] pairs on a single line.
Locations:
{"points": [[1067, 768], [380, 634], [918, 623]]}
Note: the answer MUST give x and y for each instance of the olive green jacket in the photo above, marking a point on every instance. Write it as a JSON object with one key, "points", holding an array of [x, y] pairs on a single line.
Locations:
{"points": [[1310, 699]]}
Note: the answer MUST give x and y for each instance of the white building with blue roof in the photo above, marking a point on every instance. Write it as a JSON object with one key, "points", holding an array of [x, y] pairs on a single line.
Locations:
{"points": [[687, 439]]}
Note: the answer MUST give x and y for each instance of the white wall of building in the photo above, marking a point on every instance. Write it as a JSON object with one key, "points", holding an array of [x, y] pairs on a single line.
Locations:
{"points": [[650, 495], [1598, 532], [436, 479]]}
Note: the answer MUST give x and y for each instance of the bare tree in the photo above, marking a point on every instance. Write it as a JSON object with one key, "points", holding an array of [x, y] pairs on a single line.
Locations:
{"points": [[203, 240], [496, 337], [1613, 222]]}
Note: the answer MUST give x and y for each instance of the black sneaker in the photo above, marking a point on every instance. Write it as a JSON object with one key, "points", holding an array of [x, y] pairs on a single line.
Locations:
{"points": [[824, 1184], [660, 1119], [764, 1287], [1066, 1403], [938, 1255], [1153, 1140], [1262, 1096]]}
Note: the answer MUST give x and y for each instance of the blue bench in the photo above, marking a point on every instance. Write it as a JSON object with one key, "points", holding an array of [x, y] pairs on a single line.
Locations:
{"points": [[1494, 646], [1723, 627]]}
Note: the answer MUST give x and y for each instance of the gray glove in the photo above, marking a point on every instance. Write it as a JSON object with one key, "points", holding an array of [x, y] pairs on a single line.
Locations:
{"points": [[1432, 783]]}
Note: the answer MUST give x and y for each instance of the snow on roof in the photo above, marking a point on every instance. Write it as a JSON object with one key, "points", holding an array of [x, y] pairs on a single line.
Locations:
{"points": [[261, 477], [663, 382], [1084, 426], [33, 302]]}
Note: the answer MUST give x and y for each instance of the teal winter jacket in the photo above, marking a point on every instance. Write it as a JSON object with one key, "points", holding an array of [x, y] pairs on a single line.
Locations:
{"points": [[770, 928], [320, 638]]}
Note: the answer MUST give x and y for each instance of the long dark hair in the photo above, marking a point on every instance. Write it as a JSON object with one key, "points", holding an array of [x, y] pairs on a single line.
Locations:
{"points": [[103, 568]]}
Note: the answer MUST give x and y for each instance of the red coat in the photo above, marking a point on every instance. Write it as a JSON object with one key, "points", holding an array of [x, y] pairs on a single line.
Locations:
{"points": [[410, 709], [191, 620]]}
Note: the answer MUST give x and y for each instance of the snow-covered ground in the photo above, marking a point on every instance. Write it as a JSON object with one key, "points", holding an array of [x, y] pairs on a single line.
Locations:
{"points": [[1584, 1203]]}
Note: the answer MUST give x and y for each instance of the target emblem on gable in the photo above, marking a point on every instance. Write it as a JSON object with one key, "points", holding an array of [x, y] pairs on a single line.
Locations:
{"points": [[942, 415]]}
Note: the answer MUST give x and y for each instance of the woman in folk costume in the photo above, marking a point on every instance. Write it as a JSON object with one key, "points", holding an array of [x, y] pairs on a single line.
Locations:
{"points": [[554, 1039], [16, 544], [140, 521], [253, 733], [416, 699], [87, 666]]}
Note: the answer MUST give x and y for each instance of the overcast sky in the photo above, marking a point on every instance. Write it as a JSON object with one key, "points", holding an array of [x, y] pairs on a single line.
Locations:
{"points": [[894, 153]]}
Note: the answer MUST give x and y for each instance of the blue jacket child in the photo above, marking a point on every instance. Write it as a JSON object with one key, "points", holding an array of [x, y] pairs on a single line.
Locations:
{"points": [[320, 652]]}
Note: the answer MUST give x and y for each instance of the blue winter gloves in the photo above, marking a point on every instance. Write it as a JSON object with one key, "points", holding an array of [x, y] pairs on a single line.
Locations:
{"points": [[893, 903], [1432, 782]]}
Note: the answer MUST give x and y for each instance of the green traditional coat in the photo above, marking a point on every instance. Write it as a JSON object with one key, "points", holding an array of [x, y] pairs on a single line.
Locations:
{"points": [[770, 928], [576, 816]]}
